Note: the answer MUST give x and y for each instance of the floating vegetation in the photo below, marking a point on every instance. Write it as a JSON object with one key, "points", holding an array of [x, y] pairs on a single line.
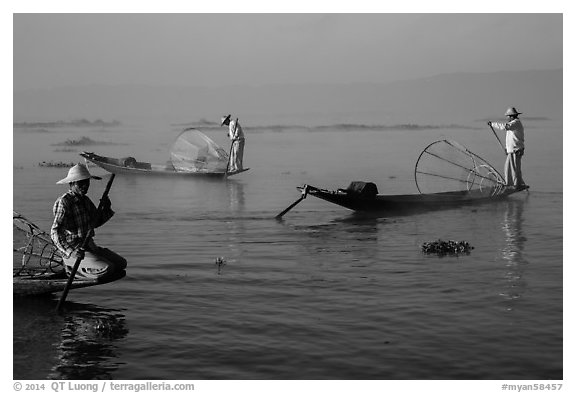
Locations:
{"points": [[528, 118], [220, 262], [279, 127], [84, 141], [73, 123], [450, 247], [34, 130], [56, 164], [199, 123], [96, 325], [109, 327], [395, 127], [208, 125]]}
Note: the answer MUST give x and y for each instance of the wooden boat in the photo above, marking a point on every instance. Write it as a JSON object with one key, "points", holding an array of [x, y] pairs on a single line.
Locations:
{"points": [[407, 202], [446, 173], [129, 166], [38, 268], [49, 283], [191, 154]]}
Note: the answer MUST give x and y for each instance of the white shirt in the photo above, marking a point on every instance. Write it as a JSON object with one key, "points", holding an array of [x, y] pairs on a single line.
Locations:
{"points": [[235, 130], [514, 134]]}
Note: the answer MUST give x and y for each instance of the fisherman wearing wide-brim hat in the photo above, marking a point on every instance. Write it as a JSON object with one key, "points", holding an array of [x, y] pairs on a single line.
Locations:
{"points": [[514, 148], [75, 217], [236, 135]]}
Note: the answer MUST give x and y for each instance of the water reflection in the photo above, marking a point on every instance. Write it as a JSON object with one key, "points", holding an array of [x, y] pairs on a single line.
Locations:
{"points": [[513, 249], [77, 345], [236, 228], [361, 227], [236, 195], [353, 238]]}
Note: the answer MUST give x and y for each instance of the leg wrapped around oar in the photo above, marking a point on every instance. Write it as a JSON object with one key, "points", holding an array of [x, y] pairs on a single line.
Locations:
{"points": [[99, 263]]}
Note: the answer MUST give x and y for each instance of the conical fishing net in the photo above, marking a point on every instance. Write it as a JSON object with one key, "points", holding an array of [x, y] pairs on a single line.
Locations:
{"points": [[195, 152], [448, 166]]}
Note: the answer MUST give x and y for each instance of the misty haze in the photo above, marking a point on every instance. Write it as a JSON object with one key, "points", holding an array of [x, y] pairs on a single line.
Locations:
{"points": [[368, 197]]}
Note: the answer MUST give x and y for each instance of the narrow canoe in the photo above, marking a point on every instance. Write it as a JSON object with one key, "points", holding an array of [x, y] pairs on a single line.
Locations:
{"points": [[54, 282], [407, 202], [132, 167]]}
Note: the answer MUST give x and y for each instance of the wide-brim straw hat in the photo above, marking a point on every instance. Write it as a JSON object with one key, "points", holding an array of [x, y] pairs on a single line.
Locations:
{"points": [[76, 173], [224, 118], [512, 112]]}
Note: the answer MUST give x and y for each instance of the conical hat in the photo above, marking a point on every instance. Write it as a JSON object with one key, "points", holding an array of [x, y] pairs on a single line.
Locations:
{"points": [[76, 173], [512, 112], [224, 118]]}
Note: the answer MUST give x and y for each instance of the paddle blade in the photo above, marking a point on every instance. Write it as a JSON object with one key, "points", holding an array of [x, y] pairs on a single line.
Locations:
{"points": [[304, 194], [279, 216], [64, 295]]}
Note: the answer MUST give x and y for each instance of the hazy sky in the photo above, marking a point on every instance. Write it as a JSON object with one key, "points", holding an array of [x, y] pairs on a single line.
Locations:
{"points": [[221, 49]]}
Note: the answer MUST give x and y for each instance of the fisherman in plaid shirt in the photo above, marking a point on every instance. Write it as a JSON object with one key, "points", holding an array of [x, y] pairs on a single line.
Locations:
{"points": [[75, 216]]}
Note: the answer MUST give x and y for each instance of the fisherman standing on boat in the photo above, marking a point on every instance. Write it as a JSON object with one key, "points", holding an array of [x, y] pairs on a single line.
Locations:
{"points": [[75, 216], [236, 135], [514, 148]]}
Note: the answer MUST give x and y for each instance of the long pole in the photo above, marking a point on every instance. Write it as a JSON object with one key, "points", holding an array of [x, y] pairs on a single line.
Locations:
{"points": [[82, 246], [496, 135], [304, 194]]}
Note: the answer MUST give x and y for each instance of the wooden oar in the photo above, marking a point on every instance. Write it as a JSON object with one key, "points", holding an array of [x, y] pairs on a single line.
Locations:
{"points": [[496, 135], [304, 194], [82, 246], [231, 145]]}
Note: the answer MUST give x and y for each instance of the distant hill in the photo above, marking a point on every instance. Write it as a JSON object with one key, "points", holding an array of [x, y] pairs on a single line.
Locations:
{"points": [[447, 99]]}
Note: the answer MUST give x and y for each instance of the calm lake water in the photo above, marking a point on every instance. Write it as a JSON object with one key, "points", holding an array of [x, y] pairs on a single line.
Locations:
{"points": [[322, 294]]}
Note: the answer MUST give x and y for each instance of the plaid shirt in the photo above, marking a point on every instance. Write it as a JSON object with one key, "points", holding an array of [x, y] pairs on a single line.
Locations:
{"points": [[75, 216]]}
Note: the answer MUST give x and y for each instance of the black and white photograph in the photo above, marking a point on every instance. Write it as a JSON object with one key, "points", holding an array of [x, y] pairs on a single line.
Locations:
{"points": [[373, 198]]}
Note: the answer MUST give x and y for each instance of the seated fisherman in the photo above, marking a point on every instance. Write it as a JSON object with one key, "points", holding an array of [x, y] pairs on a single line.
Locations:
{"points": [[75, 216]]}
